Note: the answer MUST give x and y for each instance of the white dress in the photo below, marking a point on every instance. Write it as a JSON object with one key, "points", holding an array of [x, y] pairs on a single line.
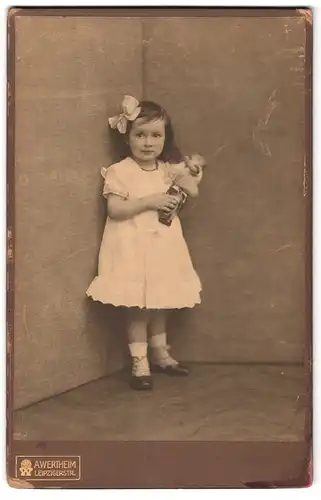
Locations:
{"points": [[143, 263]]}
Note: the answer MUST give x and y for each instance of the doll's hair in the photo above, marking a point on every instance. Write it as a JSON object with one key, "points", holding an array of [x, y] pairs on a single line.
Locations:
{"points": [[151, 111]]}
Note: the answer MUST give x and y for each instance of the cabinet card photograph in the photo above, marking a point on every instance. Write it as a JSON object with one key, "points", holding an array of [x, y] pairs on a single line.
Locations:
{"points": [[159, 247]]}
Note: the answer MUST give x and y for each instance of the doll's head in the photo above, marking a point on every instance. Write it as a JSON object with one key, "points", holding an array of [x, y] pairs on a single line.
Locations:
{"points": [[147, 130], [195, 163]]}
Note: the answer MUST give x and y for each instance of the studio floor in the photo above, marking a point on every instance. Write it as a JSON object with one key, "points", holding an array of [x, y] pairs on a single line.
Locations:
{"points": [[216, 402]]}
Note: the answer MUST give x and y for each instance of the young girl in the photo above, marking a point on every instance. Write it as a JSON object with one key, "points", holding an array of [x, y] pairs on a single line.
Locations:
{"points": [[145, 265]]}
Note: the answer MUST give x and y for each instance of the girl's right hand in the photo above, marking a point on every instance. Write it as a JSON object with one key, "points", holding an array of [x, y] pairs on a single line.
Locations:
{"points": [[164, 202]]}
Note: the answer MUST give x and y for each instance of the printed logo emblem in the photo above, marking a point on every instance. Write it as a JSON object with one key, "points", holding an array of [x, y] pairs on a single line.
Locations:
{"points": [[48, 468], [26, 468]]}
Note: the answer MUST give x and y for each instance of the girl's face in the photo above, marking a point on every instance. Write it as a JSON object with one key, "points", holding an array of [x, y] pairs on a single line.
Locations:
{"points": [[146, 140]]}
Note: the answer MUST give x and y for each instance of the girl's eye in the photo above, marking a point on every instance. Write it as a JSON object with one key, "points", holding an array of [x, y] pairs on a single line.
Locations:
{"points": [[139, 134], [156, 134]]}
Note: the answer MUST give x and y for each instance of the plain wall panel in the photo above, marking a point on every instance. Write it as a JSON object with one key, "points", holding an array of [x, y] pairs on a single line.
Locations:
{"points": [[235, 90], [68, 81]]}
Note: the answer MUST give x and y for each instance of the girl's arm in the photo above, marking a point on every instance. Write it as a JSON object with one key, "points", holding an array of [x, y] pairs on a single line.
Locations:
{"points": [[122, 209]]}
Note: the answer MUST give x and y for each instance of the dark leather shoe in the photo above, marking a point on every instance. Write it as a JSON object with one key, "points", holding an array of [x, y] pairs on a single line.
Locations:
{"points": [[143, 383], [178, 370]]}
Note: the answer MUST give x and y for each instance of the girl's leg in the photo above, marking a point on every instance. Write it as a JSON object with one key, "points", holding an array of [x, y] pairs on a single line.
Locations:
{"points": [[158, 343], [137, 344]]}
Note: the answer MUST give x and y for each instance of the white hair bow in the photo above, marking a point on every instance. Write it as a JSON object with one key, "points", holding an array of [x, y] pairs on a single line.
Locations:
{"points": [[131, 110]]}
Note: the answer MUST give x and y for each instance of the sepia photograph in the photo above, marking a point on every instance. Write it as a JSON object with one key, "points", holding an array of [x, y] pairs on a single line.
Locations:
{"points": [[159, 243]]}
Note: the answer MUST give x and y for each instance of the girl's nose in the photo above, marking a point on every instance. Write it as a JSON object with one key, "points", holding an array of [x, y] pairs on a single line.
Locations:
{"points": [[148, 141]]}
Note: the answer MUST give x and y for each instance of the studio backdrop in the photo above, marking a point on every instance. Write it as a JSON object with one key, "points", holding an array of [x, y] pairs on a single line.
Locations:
{"points": [[234, 88]]}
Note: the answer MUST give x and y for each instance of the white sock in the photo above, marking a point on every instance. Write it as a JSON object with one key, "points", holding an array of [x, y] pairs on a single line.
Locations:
{"points": [[160, 351], [138, 351]]}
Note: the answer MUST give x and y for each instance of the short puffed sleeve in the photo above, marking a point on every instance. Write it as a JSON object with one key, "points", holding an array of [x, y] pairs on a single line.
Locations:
{"points": [[113, 184]]}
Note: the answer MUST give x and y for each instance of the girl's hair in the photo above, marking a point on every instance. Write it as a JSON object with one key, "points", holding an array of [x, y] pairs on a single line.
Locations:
{"points": [[151, 111]]}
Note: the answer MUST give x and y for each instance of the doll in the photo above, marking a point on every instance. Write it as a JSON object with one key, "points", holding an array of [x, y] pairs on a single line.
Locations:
{"points": [[194, 165]]}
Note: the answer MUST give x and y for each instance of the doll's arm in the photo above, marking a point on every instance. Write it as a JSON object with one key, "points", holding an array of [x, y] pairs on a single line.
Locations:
{"points": [[189, 177], [197, 175], [188, 184]]}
